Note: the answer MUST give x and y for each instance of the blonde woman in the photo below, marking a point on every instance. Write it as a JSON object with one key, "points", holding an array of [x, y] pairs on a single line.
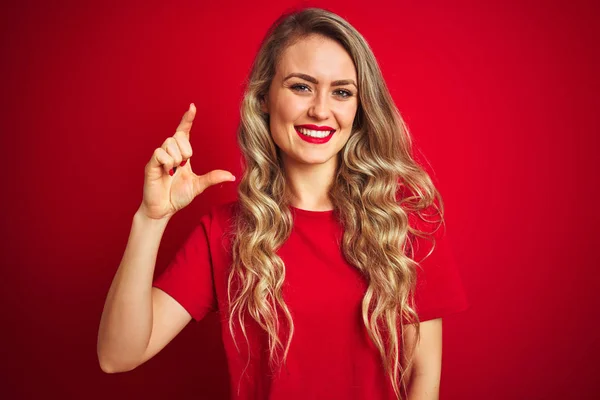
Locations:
{"points": [[330, 271]]}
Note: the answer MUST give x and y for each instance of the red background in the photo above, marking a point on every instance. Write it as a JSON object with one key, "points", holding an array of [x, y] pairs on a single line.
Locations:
{"points": [[500, 97]]}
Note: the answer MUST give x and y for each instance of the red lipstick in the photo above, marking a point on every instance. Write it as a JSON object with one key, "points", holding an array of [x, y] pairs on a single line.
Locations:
{"points": [[315, 140], [315, 127]]}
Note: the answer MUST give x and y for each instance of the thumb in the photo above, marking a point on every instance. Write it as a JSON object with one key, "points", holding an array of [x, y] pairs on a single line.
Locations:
{"points": [[202, 182]]}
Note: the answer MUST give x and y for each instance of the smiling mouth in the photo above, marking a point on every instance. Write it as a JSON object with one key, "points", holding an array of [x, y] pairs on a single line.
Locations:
{"points": [[318, 134]]}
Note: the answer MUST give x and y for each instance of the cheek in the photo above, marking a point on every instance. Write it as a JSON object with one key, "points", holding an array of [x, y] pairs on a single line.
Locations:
{"points": [[346, 115], [289, 108]]}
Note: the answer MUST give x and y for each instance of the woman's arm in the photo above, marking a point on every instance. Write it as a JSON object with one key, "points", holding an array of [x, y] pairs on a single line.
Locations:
{"points": [[424, 379], [138, 320]]}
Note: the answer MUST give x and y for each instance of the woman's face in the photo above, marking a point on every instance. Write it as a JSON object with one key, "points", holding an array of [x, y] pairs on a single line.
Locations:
{"points": [[312, 101]]}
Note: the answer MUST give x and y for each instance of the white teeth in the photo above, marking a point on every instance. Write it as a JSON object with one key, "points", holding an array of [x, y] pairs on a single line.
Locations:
{"points": [[317, 134]]}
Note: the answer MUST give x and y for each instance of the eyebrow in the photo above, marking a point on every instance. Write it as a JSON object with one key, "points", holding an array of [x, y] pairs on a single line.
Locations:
{"points": [[309, 78]]}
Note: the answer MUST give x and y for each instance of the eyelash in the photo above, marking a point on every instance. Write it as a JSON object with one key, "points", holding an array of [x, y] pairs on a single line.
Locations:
{"points": [[347, 92]]}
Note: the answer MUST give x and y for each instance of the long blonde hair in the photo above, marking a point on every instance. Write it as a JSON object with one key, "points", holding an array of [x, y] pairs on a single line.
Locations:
{"points": [[374, 168]]}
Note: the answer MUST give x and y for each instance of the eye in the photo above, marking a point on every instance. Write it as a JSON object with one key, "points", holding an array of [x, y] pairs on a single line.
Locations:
{"points": [[300, 87], [343, 93]]}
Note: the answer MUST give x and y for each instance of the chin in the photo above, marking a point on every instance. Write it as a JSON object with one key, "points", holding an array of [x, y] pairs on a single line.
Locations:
{"points": [[314, 160]]}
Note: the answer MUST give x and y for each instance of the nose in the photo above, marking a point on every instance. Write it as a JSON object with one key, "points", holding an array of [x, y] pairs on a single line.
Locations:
{"points": [[319, 109]]}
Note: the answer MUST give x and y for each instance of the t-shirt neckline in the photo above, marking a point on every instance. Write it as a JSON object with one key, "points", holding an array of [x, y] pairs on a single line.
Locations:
{"points": [[311, 213]]}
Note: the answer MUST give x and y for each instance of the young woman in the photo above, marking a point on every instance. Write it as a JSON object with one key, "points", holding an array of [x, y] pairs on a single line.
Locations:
{"points": [[323, 270]]}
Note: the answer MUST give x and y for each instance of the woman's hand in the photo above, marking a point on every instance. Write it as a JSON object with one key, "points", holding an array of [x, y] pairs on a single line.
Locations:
{"points": [[169, 182]]}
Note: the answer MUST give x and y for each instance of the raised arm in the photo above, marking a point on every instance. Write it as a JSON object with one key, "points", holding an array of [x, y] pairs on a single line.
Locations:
{"points": [[139, 320]]}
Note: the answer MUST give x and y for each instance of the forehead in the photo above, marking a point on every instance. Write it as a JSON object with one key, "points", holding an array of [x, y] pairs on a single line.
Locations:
{"points": [[318, 56]]}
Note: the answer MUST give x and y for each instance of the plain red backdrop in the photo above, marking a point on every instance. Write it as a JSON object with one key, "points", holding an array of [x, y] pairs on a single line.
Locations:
{"points": [[500, 98]]}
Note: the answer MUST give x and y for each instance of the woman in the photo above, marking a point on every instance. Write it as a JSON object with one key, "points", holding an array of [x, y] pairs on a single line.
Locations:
{"points": [[323, 269]]}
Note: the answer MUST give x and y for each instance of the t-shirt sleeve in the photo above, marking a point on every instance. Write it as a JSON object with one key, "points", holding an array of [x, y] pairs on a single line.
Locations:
{"points": [[189, 277], [439, 290]]}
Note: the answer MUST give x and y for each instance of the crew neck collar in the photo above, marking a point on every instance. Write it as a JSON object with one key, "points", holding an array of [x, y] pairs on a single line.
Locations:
{"points": [[311, 213]]}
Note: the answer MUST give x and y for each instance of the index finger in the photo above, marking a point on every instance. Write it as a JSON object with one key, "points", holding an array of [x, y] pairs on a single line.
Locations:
{"points": [[186, 122]]}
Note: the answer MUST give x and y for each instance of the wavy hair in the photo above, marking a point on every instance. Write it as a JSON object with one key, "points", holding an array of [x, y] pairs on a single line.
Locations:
{"points": [[377, 186]]}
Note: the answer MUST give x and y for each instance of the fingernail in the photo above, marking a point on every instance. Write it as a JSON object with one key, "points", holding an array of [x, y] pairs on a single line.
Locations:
{"points": [[233, 178], [183, 163], [172, 171]]}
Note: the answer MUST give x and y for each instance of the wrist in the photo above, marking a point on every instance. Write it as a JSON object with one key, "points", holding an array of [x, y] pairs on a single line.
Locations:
{"points": [[142, 218]]}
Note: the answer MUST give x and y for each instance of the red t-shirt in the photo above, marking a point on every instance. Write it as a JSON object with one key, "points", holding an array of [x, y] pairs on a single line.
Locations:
{"points": [[331, 356]]}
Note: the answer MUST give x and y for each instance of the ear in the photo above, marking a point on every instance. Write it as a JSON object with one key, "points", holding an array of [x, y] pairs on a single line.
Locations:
{"points": [[264, 104]]}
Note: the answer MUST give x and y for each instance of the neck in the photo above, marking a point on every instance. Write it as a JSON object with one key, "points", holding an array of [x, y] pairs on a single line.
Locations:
{"points": [[308, 184]]}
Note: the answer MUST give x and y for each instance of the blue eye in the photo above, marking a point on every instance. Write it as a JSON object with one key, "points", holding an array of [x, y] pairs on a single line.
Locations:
{"points": [[344, 93], [299, 86]]}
